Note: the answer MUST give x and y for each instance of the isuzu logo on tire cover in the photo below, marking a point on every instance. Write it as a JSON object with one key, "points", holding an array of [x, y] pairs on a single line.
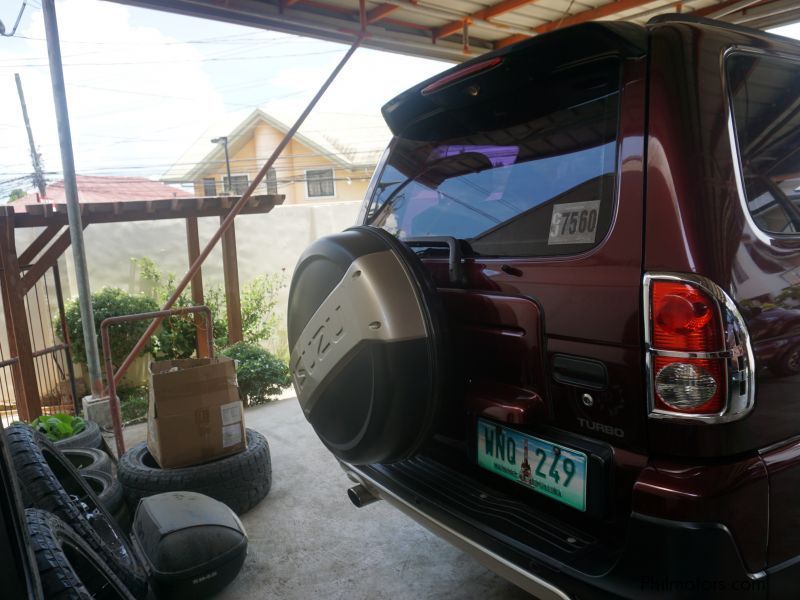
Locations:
{"points": [[373, 301], [367, 337]]}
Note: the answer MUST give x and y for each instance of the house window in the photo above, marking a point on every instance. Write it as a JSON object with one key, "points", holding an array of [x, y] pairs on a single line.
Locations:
{"points": [[319, 183], [209, 187], [238, 185], [272, 182]]}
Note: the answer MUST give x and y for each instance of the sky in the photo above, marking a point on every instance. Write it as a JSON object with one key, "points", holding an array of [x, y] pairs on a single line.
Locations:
{"points": [[142, 85]]}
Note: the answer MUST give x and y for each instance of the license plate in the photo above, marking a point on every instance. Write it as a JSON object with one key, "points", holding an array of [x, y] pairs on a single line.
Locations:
{"points": [[556, 471]]}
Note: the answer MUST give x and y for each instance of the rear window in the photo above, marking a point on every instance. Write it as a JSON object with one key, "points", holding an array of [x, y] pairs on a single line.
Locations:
{"points": [[765, 98], [527, 174]]}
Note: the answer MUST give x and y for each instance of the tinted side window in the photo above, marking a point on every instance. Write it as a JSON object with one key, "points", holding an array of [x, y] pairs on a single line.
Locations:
{"points": [[765, 98], [527, 174]]}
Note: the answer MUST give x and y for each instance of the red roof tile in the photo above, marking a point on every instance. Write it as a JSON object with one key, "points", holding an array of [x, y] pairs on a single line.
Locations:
{"points": [[105, 189]]}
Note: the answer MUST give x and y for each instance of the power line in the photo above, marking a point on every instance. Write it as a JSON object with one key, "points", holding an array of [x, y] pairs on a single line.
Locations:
{"points": [[169, 96], [242, 163], [176, 61], [238, 48], [233, 39], [15, 179], [122, 140]]}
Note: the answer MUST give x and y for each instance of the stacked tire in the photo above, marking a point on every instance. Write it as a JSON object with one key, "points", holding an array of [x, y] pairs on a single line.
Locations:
{"points": [[241, 481], [68, 567], [95, 467], [77, 511], [90, 437], [79, 545], [89, 459]]}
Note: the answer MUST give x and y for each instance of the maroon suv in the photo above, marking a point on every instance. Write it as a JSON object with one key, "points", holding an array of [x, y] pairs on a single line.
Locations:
{"points": [[566, 334]]}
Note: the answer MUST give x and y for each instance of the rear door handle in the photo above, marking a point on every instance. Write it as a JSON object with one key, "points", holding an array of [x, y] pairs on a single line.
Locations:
{"points": [[580, 372]]}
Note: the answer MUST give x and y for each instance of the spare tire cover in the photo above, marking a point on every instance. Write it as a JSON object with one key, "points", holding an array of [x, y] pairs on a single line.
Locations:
{"points": [[366, 336]]}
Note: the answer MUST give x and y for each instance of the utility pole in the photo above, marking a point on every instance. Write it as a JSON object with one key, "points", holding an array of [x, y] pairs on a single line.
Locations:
{"points": [[71, 193], [224, 141], [38, 175]]}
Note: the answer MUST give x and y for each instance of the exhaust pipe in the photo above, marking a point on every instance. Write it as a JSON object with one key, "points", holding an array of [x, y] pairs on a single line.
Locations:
{"points": [[361, 496]]}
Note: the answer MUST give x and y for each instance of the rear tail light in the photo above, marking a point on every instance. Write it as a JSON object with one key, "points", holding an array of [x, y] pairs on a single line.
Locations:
{"points": [[684, 318], [689, 385], [698, 350]]}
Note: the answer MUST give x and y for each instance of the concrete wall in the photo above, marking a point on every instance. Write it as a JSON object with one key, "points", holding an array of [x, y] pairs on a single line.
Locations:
{"points": [[266, 244]]}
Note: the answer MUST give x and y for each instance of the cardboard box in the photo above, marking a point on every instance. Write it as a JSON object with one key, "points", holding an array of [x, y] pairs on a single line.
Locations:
{"points": [[195, 414]]}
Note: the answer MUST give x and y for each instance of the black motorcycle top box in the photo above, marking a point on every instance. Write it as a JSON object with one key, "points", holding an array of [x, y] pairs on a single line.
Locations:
{"points": [[193, 545]]}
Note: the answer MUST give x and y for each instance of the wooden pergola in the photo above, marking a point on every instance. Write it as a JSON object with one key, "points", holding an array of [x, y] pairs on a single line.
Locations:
{"points": [[20, 270]]}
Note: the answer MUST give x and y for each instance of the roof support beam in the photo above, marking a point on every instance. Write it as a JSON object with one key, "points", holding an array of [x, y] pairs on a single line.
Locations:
{"points": [[198, 297], [46, 261], [500, 8], [724, 8], [379, 12], [484, 14], [587, 15], [450, 29], [362, 15], [37, 245], [595, 13], [230, 270]]}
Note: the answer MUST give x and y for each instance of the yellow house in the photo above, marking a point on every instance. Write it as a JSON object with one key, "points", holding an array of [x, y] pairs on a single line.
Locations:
{"points": [[331, 158]]}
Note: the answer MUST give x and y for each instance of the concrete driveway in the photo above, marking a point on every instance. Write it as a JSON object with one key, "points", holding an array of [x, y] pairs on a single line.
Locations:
{"points": [[308, 541]]}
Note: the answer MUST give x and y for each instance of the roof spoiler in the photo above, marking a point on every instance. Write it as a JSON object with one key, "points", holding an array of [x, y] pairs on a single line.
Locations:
{"points": [[543, 53]]}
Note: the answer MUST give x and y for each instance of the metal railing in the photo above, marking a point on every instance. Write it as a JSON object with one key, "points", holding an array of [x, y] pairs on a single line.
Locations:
{"points": [[51, 354], [55, 373]]}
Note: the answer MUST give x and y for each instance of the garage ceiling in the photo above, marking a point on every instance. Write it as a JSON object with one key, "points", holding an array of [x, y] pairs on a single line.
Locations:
{"points": [[458, 29]]}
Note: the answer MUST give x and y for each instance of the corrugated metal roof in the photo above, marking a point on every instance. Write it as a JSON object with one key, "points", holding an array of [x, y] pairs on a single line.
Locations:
{"points": [[459, 29]]}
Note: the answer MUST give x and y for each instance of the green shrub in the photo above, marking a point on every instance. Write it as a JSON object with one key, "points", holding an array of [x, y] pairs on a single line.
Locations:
{"points": [[177, 336], [59, 426], [261, 375], [259, 298], [109, 302], [133, 403], [214, 298]]}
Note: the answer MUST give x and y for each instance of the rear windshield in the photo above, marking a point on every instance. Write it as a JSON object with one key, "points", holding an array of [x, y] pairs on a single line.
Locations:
{"points": [[765, 96], [527, 174]]}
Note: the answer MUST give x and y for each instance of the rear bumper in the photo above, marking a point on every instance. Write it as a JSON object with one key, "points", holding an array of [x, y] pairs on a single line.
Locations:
{"points": [[461, 537], [659, 558]]}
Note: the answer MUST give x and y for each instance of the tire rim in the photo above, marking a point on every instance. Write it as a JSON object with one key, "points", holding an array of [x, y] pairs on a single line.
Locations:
{"points": [[94, 579], [94, 514]]}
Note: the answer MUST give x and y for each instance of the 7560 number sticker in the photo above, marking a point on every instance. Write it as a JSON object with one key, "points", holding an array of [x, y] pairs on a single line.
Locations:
{"points": [[574, 223]]}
